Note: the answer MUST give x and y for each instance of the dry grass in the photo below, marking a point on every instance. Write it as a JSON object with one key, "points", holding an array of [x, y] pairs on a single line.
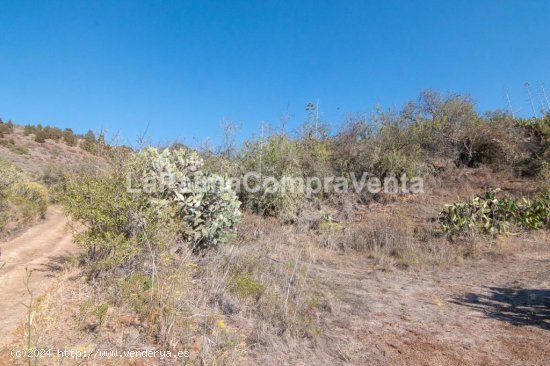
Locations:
{"points": [[224, 307], [285, 294], [33, 157]]}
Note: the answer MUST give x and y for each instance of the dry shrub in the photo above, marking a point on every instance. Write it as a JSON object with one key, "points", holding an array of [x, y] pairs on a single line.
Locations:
{"points": [[169, 313], [32, 198], [403, 233], [21, 202], [388, 240], [265, 285], [223, 306]]}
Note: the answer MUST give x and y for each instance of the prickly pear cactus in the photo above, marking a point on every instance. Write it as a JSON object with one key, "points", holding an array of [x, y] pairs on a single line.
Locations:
{"points": [[206, 203]]}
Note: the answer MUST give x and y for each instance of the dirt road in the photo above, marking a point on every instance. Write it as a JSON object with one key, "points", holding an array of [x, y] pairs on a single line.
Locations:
{"points": [[42, 248]]}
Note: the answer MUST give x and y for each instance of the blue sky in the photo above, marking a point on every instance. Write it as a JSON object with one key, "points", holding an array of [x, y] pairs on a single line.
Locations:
{"points": [[179, 67]]}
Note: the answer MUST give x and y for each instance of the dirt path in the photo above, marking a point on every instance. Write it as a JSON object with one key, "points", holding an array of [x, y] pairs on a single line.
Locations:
{"points": [[42, 248]]}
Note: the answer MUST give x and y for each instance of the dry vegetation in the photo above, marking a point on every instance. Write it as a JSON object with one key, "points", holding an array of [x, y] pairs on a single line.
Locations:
{"points": [[27, 165], [353, 278], [33, 157], [288, 295]]}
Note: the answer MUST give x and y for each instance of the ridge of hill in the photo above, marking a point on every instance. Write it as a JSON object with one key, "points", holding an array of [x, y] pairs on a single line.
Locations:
{"points": [[34, 158]]}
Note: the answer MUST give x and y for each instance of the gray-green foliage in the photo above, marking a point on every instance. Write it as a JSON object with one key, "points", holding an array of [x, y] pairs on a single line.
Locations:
{"points": [[172, 198], [9, 175], [205, 202], [489, 214], [116, 223], [276, 156], [29, 199]]}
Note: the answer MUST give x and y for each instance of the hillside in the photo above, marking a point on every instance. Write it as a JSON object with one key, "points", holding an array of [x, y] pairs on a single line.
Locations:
{"points": [[34, 158], [418, 237]]}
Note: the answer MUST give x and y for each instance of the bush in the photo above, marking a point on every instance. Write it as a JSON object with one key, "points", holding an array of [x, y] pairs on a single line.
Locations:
{"points": [[32, 198], [437, 121], [488, 214], [205, 202], [394, 149], [278, 157], [53, 133], [9, 176], [69, 137], [19, 149], [112, 216], [40, 136], [5, 128], [491, 142], [123, 225], [89, 143], [10, 144], [536, 132], [53, 175], [349, 146], [424, 138], [245, 286]]}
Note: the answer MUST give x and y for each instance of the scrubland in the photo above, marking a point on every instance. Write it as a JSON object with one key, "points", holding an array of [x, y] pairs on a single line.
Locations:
{"points": [[454, 275]]}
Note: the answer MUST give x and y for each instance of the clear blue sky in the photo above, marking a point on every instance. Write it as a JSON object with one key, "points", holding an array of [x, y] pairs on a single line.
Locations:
{"points": [[179, 67]]}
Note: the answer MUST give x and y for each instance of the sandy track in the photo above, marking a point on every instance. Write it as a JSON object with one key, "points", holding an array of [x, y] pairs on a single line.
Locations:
{"points": [[42, 248]]}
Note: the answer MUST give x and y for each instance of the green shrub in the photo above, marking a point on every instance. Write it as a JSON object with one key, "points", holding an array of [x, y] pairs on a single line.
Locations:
{"points": [[32, 199], [89, 143], [69, 137], [393, 149], [276, 156], [122, 225], [113, 218], [9, 176], [206, 203], [388, 144], [19, 149], [53, 175], [100, 311], [53, 133], [245, 286], [349, 146], [29, 199], [6, 128], [10, 144], [488, 214], [40, 136], [491, 142], [316, 151], [437, 122], [134, 289], [536, 132]]}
